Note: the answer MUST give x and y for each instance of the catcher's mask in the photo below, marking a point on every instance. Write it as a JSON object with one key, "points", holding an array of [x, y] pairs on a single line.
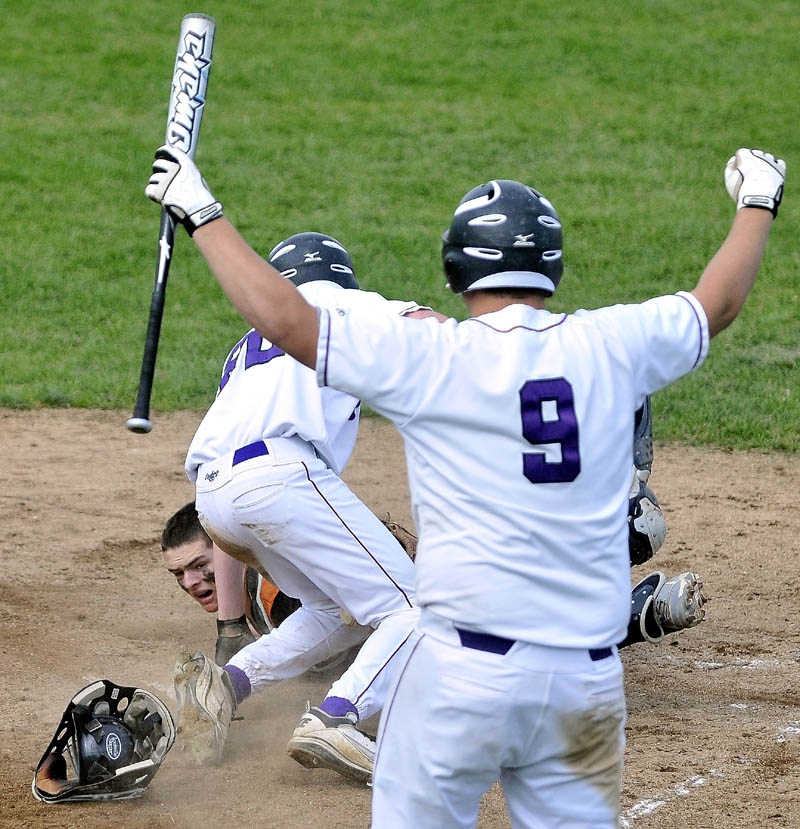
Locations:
{"points": [[108, 746]]}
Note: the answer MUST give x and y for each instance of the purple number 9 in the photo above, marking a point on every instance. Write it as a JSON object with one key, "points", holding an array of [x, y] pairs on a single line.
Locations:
{"points": [[555, 423]]}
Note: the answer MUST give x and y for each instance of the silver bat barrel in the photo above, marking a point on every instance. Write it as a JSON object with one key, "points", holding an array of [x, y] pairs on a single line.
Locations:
{"points": [[189, 81]]}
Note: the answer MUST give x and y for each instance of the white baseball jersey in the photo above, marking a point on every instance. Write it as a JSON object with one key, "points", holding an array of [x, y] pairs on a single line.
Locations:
{"points": [[290, 511], [263, 393], [517, 429]]}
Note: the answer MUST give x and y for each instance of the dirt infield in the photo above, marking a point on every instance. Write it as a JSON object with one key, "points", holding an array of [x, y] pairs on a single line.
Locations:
{"points": [[714, 712]]}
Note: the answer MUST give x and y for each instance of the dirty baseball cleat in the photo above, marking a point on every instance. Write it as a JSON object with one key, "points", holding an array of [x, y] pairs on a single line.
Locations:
{"points": [[660, 606], [205, 707], [323, 741], [678, 604]]}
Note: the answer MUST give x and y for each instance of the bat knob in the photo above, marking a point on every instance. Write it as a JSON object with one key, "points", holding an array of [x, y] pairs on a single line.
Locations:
{"points": [[140, 425]]}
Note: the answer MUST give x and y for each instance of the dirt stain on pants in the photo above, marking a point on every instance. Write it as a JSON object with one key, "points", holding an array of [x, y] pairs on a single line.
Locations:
{"points": [[595, 748]]}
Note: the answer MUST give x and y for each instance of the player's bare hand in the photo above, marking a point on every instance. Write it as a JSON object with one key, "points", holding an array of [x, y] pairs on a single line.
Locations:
{"points": [[755, 178], [176, 184]]}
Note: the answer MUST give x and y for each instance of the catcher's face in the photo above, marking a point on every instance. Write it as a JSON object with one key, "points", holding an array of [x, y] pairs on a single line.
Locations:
{"points": [[192, 564]]}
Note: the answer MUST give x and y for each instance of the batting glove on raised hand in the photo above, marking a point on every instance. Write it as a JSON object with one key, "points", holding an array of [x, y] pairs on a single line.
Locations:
{"points": [[176, 184], [755, 179]]}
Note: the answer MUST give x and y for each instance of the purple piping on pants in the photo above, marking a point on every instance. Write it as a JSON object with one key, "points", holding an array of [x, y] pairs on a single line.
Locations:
{"points": [[380, 670], [356, 538]]}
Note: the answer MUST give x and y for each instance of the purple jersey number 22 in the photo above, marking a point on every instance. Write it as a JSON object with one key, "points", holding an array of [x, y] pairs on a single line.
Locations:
{"points": [[561, 429]]}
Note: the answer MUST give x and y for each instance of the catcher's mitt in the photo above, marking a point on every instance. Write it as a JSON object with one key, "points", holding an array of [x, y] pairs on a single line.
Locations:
{"points": [[643, 441], [108, 746], [406, 539]]}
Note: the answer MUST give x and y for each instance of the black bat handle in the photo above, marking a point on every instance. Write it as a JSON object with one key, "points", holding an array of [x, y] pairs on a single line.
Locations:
{"points": [[140, 421]]}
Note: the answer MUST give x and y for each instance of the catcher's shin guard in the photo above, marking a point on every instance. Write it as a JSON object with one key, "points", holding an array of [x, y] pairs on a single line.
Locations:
{"points": [[647, 528], [108, 746], [660, 606], [643, 441]]}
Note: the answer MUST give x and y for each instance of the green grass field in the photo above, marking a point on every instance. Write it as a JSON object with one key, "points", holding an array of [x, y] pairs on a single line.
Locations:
{"points": [[369, 121]]}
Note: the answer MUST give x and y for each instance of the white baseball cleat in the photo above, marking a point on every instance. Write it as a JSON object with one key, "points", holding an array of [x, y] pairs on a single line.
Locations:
{"points": [[323, 741], [205, 707], [678, 604]]}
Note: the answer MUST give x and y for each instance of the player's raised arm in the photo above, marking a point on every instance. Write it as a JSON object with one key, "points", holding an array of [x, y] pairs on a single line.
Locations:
{"points": [[270, 303], [754, 180]]}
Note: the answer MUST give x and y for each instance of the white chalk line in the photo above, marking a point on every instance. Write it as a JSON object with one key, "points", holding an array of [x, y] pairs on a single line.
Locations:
{"points": [[746, 664], [790, 730], [649, 805], [684, 788]]}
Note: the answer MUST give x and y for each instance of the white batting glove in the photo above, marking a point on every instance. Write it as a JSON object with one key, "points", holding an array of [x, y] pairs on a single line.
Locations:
{"points": [[755, 179], [176, 184]]}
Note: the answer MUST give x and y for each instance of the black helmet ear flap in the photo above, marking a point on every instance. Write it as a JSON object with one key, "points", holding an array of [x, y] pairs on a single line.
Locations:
{"points": [[109, 745]]}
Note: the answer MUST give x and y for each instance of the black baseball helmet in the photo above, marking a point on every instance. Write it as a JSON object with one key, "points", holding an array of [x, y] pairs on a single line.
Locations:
{"points": [[308, 257], [504, 234]]}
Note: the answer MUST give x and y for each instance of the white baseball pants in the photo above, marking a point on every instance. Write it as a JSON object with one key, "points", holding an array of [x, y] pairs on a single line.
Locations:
{"points": [[320, 544], [547, 722]]}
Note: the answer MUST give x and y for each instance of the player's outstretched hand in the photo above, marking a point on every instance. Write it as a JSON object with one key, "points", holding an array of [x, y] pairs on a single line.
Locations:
{"points": [[755, 179], [176, 184], [232, 636]]}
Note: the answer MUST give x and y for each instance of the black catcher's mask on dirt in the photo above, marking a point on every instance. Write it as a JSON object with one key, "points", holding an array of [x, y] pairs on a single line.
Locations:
{"points": [[108, 746]]}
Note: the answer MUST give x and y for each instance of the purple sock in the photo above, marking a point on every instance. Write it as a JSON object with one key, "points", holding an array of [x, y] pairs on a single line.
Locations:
{"points": [[240, 683], [338, 707]]}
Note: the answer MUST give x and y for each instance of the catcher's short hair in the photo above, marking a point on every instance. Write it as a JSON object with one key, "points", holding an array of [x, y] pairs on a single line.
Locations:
{"points": [[183, 527], [108, 746]]}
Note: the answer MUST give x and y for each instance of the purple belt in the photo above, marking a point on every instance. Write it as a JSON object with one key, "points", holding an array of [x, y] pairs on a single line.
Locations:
{"points": [[252, 450], [499, 644]]}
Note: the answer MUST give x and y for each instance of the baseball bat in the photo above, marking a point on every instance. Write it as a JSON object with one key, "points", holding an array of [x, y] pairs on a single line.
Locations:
{"points": [[186, 103]]}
